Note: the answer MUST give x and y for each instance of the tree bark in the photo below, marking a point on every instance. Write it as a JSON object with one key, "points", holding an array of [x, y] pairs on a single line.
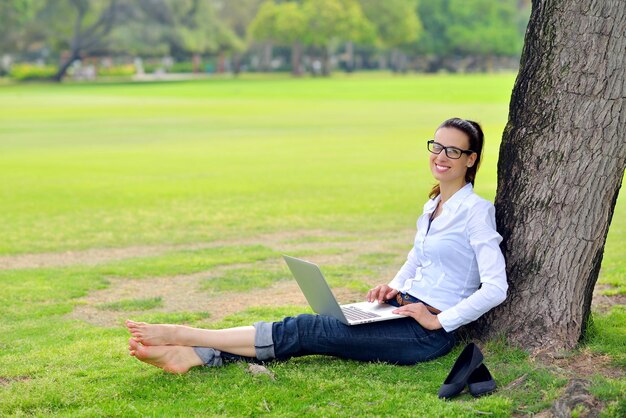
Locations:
{"points": [[266, 57], [196, 62], [65, 65], [236, 63], [325, 61], [561, 165], [350, 56], [296, 59]]}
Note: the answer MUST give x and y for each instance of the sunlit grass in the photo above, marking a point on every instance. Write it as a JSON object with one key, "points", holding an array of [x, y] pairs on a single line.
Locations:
{"points": [[87, 166], [115, 165]]}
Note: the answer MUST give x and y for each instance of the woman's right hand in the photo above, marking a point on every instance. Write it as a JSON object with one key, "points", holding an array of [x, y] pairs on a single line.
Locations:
{"points": [[381, 293]]}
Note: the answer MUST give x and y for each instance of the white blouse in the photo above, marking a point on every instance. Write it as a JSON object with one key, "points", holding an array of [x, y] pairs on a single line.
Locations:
{"points": [[456, 266]]}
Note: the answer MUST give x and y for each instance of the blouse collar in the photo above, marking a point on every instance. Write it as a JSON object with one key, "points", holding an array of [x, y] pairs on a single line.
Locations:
{"points": [[453, 203]]}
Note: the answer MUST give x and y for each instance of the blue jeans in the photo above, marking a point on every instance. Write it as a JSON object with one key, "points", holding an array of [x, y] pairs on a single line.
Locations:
{"points": [[399, 341]]}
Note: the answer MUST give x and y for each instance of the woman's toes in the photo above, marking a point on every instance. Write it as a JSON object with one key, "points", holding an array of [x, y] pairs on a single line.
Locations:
{"points": [[133, 344]]}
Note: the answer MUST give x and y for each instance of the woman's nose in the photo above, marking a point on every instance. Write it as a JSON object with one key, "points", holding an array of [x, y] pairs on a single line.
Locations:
{"points": [[442, 156]]}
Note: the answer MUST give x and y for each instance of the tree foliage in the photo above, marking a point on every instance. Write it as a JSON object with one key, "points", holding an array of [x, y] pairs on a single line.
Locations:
{"points": [[483, 27], [335, 20], [396, 21], [179, 28], [480, 27], [15, 16], [315, 23], [317, 28]]}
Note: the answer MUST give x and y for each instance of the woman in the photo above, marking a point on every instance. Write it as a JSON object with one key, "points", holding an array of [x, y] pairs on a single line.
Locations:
{"points": [[453, 275]]}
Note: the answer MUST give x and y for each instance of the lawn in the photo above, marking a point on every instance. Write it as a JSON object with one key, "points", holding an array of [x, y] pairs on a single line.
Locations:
{"points": [[159, 201]]}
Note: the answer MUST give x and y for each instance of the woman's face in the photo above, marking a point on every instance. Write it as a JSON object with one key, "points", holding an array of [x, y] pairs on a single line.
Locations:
{"points": [[448, 170]]}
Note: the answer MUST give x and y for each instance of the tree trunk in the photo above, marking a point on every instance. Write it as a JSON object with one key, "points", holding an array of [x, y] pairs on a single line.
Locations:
{"points": [[325, 61], [221, 62], [236, 63], [60, 74], [561, 165], [349, 56], [296, 59], [196, 62], [266, 57]]}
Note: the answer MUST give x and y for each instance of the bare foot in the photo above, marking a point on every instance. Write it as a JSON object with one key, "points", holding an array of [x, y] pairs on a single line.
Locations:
{"points": [[172, 359], [154, 334]]}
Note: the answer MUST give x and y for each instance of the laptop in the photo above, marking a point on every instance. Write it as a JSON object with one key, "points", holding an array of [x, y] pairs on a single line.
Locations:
{"points": [[321, 298]]}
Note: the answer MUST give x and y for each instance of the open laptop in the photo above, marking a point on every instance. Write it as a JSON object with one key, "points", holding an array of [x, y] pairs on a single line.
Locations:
{"points": [[323, 302]]}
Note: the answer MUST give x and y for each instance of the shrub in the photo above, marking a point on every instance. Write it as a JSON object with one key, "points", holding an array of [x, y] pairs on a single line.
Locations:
{"points": [[116, 71], [151, 68], [23, 72], [181, 67]]}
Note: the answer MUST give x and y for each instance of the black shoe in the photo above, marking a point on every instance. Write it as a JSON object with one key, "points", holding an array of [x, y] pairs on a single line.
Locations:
{"points": [[480, 382], [469, 359]]}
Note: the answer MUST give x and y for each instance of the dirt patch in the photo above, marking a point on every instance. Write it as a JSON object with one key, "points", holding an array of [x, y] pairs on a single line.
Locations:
{"points": [[603, 303], [184, 293], [585, 363], [577, 367], [103, 255], [6, 381]]}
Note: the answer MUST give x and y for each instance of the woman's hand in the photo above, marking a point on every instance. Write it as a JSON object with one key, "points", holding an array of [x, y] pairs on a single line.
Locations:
{"points": [[421, 314], [381, 293]]}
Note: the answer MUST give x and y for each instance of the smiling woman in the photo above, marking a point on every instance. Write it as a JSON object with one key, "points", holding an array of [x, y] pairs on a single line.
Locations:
{"points": [[457, 138], [435, 294]]}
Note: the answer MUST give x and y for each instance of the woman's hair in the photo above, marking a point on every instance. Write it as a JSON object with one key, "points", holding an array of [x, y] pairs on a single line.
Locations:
{"points": [[476, 138]]}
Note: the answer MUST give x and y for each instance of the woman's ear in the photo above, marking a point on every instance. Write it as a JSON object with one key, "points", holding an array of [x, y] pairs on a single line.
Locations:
{"points": [[471, 160]]}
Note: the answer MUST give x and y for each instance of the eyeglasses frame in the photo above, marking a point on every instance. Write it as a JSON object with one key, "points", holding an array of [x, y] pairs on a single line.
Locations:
{"points": [[445, 149]]}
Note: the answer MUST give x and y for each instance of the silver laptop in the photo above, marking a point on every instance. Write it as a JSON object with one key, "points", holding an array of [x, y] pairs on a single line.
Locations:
{"points": [[323, 302]]}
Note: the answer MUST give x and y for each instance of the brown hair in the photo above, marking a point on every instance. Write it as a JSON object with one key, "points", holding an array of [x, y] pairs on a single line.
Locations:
{"points": [[476, 139]]}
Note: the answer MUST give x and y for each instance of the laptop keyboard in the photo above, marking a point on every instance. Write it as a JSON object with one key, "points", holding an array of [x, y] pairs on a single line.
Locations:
{"points": [[355, 314]]}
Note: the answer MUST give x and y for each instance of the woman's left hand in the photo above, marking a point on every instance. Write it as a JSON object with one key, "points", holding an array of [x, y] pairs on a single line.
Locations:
{"points": [[422, 315]]}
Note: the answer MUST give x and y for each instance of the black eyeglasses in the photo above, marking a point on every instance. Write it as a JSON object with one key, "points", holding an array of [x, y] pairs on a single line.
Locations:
{"points": [[451, 152]]}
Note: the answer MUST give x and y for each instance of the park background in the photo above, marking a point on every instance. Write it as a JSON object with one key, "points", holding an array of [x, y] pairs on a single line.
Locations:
{"points": [[180, 157]]}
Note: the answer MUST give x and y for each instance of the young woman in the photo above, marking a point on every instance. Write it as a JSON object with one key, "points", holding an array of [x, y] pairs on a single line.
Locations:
{"points": [[453, 275]]}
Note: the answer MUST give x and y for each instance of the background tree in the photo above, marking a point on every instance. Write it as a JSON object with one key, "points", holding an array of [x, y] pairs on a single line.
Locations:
{"points": [[189, 27], [281, 24], [397, 24], [561, 166], [476, 29], [264, 30], [434, 15], [237, 15], [331, 21], [14, 17], [90, 23], [483, 28]]}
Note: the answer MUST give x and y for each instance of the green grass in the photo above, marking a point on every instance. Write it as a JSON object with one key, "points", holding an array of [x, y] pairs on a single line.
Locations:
{"points": [[126, 164], [607, 334], [96, 166]]}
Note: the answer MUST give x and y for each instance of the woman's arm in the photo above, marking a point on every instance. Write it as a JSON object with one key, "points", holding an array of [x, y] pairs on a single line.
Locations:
{"points": [[407, 271], [485, 241]]}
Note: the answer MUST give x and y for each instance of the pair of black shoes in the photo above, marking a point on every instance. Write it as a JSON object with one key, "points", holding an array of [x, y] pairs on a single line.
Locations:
{"points": [[468, 370]]}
